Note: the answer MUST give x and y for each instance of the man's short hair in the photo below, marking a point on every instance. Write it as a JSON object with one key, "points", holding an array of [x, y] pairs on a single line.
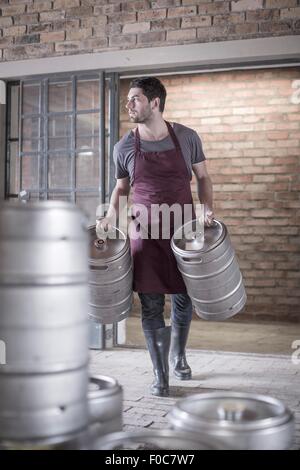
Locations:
{"points": [[152, 88]]}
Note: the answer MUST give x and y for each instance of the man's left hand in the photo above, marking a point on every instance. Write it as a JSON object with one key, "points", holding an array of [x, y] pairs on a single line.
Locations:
{"points": [[208, 217]]}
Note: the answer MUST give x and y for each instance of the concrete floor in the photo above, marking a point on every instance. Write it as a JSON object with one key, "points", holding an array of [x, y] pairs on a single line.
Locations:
{"points": [[273, 375], [234, 356]]}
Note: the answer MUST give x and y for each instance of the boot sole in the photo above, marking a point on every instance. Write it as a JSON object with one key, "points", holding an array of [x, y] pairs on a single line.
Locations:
{"points": [[183, 377], [159, 394]]}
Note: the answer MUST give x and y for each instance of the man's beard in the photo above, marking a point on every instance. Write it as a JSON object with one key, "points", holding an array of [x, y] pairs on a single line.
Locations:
{"points": [[140, 118]]}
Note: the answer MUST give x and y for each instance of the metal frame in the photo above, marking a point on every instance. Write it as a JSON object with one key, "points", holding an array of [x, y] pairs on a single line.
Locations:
{"points": [[43, 152]]}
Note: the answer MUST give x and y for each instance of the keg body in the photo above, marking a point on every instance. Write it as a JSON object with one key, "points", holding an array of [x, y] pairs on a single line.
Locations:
{"points": [[110, 278], [210, 270], [43, 321], [242, 421]]}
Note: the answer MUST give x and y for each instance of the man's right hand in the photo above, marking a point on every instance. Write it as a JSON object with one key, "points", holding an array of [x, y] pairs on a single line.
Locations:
{"points": [[103, 225]]}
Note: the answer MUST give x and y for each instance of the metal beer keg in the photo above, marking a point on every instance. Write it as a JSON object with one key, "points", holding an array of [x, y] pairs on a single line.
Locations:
{"points": [[105, 402], [43, 321], [110, 277], [240, 420], [155, 439], [210, 270]]}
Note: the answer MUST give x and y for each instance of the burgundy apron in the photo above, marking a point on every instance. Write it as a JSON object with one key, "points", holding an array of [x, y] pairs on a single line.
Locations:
{"points": [[159, 178]]}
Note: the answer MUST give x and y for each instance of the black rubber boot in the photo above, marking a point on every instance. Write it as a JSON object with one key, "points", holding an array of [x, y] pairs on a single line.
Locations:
{"points": [[179, 365], [158, 343]]}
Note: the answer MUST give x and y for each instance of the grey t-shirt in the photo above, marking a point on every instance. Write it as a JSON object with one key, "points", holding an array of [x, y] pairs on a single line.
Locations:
{"points": [[189, 142]]}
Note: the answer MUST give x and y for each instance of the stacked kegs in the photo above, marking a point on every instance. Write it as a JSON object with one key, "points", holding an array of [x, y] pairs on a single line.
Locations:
{"points": [[241, 421], [110, 276], [43, 321], [210, 270]]}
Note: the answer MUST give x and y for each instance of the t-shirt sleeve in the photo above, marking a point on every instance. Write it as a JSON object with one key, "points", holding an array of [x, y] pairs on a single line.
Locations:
{"points": [[197, 154], [119, 161]]}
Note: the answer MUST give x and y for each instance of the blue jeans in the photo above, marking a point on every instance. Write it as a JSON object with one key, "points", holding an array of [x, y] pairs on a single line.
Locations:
{"points": [[153, 310]]}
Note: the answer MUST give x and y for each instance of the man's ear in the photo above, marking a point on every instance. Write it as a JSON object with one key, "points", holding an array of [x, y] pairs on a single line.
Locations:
{"points": [[156, 103]]}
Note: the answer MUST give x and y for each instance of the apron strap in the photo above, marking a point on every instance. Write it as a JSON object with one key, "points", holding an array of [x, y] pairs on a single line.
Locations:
{"points": [[173, 136], [137, 139]]}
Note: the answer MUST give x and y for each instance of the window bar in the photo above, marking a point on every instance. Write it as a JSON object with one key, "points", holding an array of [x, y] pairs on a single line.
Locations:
{"points": [[113, 126], [102, 137], [73, 139], [20, 134], [8, 141], [43, 138]]}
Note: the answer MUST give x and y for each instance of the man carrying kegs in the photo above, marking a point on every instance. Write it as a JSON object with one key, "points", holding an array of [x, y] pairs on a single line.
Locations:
{"points": [[156, 160]]}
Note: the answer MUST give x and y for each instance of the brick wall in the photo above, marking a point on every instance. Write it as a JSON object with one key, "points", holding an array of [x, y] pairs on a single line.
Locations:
{"points": [[249, 123], [44, 28]]}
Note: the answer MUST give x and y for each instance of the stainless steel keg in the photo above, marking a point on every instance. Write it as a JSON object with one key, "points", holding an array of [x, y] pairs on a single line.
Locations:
{"points": [[210, 270], [155, 439], [110, 277], [239, 420], [43, 321], [105, 402]]}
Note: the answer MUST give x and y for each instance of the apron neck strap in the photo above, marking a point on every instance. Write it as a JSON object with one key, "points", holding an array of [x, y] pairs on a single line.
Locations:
{"points": [[137, 139]]}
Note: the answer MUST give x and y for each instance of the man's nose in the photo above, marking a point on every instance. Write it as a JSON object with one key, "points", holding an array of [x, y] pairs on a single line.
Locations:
{"points": [[129, 104]]}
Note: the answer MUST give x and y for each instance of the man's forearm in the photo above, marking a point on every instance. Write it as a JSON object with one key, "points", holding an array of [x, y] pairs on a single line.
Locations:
{"points": [[205, 192], [114, 205]]}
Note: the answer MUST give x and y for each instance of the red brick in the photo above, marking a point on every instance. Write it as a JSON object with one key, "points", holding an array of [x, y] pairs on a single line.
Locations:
{"points": [[152, 37], [280, 3], [275, 27], [122, 18], [170, 23], [181, 35], [257, 16], [152, 15], [53, 36], [243, 5], [165, 3], [214, 8], [121, 40], [136, 5], [196, 21], [134, 28]]}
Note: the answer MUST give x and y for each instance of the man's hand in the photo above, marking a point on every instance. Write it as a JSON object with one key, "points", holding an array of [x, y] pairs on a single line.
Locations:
{"points": [[208, 217], [103, 225]]}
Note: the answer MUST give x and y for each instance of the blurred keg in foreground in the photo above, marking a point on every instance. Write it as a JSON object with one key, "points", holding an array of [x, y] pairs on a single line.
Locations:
{"points": [[155, 439], [105, 401], [240, 420], [43, 321], [209, 269], [110, 277]]}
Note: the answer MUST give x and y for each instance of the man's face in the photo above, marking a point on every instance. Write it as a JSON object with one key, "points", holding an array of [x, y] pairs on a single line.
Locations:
{"points": [[138, 106]]}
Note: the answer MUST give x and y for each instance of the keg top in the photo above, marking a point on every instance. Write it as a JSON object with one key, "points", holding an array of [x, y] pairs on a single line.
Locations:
{"points": [[109, 247], [42, 220], [189, 238], [232, 410], [100, 386]]}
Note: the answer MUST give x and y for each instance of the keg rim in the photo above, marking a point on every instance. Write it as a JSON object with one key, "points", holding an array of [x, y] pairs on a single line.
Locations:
{"points": [[186, 253], [148, 436], [178, 412], [113, 386]]}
